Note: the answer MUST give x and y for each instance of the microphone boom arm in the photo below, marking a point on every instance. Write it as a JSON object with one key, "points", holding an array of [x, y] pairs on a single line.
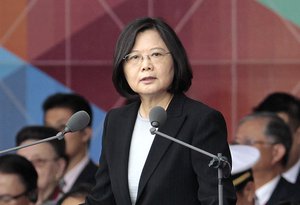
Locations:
{"points": [[59, 136], [218, 162], [76, 122]]}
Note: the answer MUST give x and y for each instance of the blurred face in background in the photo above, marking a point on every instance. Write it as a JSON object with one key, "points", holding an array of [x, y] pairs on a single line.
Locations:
{"points": [[57, 118], [251, 133], [12, 190], [49, 167]]}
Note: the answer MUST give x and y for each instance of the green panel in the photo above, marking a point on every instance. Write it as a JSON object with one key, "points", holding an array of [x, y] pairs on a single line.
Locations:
{"points": [[289, 9]]}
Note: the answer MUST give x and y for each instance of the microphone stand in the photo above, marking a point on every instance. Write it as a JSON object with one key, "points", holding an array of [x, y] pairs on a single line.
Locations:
{"points": [[59, 136], [219, 162], [76, 122]]}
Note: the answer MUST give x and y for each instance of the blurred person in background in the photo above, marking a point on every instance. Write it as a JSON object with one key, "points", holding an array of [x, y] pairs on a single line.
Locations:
{"points": [[287, 107], [58, 108], [49, 159], [76, 195], [244, 158], [272, 137], [18, 181]]}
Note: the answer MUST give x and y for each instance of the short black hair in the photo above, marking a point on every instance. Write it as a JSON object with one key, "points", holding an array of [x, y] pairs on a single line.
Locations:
{"points": [[182, 69], [82, 190], [72, 101], [282, 102], [40, 132], [18, 165]]}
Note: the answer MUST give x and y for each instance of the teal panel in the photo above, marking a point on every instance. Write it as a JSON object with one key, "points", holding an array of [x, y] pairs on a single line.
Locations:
{"points": [[289, 9]]}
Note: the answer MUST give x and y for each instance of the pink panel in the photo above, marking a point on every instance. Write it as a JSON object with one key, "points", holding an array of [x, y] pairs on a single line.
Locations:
{"points": [[240, 50], [264, 35], [96, 84], [58, 71], [207, 34], [95, 41], [212, 84], [46, 27]]}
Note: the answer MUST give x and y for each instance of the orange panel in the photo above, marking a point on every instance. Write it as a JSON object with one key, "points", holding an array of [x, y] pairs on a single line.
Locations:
{"points": [[13, 26]]}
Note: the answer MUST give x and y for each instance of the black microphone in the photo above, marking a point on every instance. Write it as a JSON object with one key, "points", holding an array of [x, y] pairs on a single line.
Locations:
{"points": [[158, 116], [77, 121]]}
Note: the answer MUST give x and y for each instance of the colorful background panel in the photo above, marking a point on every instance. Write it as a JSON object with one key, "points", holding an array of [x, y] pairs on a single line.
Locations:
{"points": [[240, 51]]}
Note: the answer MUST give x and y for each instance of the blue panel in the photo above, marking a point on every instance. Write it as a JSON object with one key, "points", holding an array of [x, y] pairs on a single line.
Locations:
{"points": [[39, 87], [13, 111], [23, 89], [9, 63], [96, 144]]}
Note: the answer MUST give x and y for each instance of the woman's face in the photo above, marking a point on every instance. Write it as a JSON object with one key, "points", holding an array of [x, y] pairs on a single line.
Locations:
{"points": [[149, 67]]}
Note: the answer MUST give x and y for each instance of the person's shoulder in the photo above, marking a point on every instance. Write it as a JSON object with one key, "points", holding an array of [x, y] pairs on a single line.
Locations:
{"points": [[292, 190], [196, 106], [91, 165], [124, 109]]}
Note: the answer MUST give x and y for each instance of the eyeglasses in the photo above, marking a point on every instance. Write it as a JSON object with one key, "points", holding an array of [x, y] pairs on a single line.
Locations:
{"points": [[136, 58], [6, 198], [252, 142], [40, 162]]}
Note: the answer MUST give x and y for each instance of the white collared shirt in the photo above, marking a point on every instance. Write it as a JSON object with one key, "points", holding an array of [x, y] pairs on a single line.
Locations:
{"points": [[264, 193], [71, 176], [291, 174]]}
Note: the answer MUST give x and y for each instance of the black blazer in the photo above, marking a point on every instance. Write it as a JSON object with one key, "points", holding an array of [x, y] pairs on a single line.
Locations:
{"points": [[172, 174], [87, 175], [284, 191]]}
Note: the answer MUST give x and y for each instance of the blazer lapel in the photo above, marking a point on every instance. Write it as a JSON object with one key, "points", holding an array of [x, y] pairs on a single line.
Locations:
{"points": [[160, 144], [125, 120]]}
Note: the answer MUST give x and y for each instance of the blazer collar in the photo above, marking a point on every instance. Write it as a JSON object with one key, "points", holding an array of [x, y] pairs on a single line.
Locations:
{"points": [[160, 145], [125, 120]]}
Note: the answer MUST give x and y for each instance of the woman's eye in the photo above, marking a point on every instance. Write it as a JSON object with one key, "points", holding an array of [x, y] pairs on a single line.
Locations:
{"points": [[134, 57], [156, 54]]}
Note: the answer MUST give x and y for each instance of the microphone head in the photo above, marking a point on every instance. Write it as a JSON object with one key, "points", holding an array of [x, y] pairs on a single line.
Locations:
{"points": [[77, 121], [157, 116]]}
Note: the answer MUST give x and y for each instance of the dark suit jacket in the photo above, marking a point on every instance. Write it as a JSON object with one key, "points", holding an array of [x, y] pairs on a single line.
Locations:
{"points": [[284, 191], [172, 174], [87, 176]]}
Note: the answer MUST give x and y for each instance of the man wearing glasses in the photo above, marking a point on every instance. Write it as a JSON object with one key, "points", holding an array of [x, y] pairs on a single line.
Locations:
{"points": [[272, 137], [287, 107], [18, 181], [49, 159]]}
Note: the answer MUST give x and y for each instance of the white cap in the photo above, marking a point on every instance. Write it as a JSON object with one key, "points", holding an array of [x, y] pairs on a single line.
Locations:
{"points": [[243, 157]]}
